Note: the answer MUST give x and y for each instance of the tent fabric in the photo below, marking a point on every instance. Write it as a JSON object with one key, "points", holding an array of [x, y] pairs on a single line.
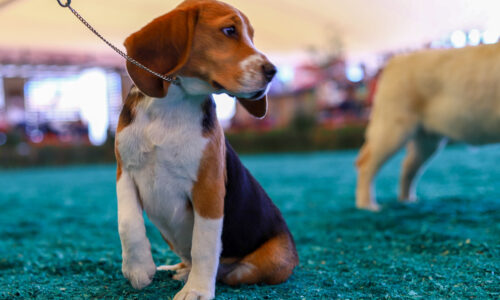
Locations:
{"points": [[282, 26]]}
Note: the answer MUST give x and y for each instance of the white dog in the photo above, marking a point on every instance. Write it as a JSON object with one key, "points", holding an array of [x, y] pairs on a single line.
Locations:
{"points": [[422, 98]]}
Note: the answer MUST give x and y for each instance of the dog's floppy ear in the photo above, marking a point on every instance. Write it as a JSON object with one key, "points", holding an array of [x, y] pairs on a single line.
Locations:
{"points": [[163, 46], [256, 107]]}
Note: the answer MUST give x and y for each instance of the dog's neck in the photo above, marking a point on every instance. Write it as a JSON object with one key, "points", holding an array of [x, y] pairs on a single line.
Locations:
{"points": [[188, 101], [194, 88], [188, 92]]}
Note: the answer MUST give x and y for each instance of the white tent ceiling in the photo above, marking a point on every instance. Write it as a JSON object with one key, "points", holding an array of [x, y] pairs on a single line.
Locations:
{"points": [[282, 26]]}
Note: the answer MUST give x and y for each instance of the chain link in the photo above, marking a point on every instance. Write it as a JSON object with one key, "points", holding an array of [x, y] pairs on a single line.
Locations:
{"points": [[130, 59]]}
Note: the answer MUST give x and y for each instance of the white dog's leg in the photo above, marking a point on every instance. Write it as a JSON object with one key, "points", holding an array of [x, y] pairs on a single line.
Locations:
{"points": [[419, 150], [384, 138], [138, 265], [205, 254]]}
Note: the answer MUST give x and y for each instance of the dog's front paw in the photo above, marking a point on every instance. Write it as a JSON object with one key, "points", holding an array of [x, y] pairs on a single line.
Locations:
{"points": [[140, 274], [189, 292]]}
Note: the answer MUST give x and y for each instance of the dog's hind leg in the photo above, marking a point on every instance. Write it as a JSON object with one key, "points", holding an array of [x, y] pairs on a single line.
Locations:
{"points": [[181, 270], [384, 137], [271, 263], [419, 150]]}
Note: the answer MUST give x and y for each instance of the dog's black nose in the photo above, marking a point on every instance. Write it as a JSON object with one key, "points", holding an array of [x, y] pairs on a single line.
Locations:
{"points": [[269, 71]]}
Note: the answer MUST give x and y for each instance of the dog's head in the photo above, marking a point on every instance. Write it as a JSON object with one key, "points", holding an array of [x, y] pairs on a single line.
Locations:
{"points": [[207, 40]]}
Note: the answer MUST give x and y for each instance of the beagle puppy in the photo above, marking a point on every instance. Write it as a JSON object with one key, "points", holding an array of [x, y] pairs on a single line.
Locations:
{"points": [[422, 99], [174, 163]]}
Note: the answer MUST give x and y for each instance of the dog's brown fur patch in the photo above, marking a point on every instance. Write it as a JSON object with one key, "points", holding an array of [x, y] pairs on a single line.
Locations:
{"points": [[271, 263], [118, 165], [209, 190]]}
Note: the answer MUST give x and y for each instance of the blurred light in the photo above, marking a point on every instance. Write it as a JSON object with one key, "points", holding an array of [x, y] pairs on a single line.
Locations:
{"points": [[225, 108], [3, 138], [286, 73], [114, 99], [474, 37], [53, 97], [72, 98], [36, 136], [93, 93], [458, 39], [355, 73], [490, 37]]}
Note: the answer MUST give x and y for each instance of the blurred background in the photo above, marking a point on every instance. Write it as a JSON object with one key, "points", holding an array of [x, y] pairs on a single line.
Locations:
{"points": [[61, 88]]}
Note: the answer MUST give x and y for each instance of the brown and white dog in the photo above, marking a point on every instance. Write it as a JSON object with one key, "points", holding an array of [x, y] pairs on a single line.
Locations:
{"points": [[175, 164], [423, 98]]}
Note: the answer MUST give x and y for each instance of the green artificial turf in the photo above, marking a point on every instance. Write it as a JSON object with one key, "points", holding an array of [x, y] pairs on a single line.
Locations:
{"points": [[59, 239]]}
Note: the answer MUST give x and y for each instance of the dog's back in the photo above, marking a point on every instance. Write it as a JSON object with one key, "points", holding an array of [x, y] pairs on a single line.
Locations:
{"points": [[453, 92]]}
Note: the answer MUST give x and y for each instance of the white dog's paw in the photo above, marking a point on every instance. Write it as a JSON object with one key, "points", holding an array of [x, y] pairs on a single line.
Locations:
{"points": [[191, 293], [139, 274], [371, 206]]}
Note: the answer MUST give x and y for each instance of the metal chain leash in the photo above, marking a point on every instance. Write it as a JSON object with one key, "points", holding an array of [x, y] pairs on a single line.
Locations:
{"points": [[130, 59]]}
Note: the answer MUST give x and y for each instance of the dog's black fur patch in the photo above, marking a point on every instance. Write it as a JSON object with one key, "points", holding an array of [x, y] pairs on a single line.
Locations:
{"points": [[209, 115], [250, 216]]}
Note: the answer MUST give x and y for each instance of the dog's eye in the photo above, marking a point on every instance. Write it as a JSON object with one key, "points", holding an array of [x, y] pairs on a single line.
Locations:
{"points": [[229, 31]]}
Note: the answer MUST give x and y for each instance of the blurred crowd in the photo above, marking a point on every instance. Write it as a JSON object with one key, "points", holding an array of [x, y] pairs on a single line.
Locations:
{"points": [[322, 94], [325, 92], [329, 94]]}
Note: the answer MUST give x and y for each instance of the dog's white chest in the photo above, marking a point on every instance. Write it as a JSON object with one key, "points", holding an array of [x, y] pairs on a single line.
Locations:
{"points": [[162, 150]]}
